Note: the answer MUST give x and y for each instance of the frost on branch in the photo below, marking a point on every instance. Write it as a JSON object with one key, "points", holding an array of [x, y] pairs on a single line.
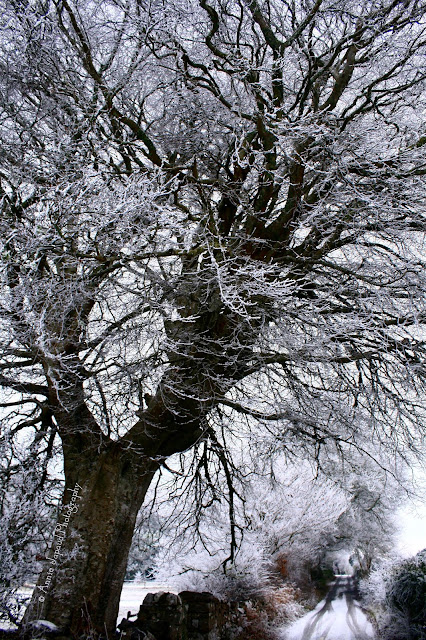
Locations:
{"points": [[212, 219]]}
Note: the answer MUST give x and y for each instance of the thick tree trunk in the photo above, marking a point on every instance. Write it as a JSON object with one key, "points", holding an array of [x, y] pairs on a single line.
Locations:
{"points": [[80, 585], [106, 482]]}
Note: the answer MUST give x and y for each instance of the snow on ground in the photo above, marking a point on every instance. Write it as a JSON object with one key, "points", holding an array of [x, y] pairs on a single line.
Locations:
{"points": [[133, 595], [44, 625], [338, 619], [333, 625]]}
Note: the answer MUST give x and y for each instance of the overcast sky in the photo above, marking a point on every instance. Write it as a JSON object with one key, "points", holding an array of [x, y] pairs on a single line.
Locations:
{"points": [[413, 522]]}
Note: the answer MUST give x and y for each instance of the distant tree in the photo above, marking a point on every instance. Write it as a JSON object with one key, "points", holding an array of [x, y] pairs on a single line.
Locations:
{"points": [[368, 526], [145, 547], [209, 210], [288, 525], [283, 521]]}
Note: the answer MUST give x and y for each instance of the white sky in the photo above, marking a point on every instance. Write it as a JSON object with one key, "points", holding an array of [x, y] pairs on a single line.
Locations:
{"points": [[413, 519], [413, 529]]}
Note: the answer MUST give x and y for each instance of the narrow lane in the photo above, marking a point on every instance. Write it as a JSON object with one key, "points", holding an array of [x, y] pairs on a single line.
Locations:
{"points": [[338, 617]]}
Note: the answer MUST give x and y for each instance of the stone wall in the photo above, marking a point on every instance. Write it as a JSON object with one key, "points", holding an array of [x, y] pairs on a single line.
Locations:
{"points": [[187, 616]]}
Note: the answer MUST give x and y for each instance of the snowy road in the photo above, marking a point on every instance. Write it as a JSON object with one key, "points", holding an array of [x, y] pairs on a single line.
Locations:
{"points": [[338, 617]]}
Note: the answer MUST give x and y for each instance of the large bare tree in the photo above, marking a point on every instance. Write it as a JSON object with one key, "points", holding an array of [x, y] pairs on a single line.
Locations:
{"points": [[208, 208]]}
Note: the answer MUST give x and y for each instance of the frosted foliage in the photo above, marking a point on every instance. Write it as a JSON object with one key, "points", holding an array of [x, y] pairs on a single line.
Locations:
{"points": [[212, 238], [396, 591], [284, 527], [26, 517], [200, 182]]}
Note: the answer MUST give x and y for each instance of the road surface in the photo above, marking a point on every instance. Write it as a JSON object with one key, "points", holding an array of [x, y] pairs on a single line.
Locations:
{"points": [[338, 617]]}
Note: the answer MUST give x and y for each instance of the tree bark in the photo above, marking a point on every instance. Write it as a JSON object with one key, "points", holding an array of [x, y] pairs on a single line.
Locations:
{"points": [[79, 588], [105, 484], [106, 481]]}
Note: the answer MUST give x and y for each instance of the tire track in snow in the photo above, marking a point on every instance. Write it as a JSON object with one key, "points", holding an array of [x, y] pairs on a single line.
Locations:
{"points": [[338, 617]]}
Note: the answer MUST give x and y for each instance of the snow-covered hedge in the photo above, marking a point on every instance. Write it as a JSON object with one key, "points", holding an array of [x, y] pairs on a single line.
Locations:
{"points": [[396, 592]]}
